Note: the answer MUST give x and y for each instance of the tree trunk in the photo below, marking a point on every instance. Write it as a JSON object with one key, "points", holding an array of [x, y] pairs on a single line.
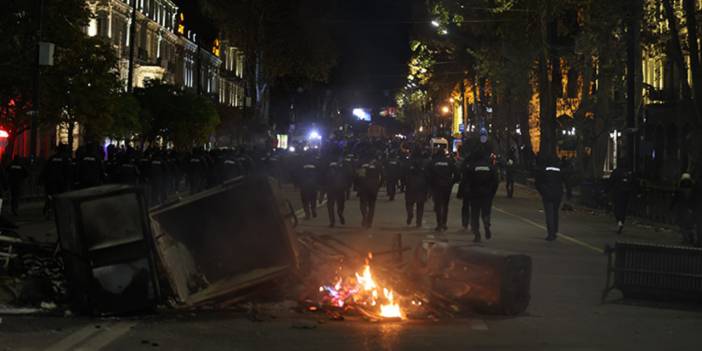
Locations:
{"points": [[676, 51], [71, 127], [547, 100]]}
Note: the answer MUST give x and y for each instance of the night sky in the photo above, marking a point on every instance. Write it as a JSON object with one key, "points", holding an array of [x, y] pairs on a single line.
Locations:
{"points": [[373, 43]]}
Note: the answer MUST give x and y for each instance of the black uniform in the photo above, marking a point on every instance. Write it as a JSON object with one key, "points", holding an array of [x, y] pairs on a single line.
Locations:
{"points": [[442, 175], [684, 203], [549, 183], [417, 182], [350, 168], [16, 175], [308, 180], [369, 177], [482, 181], [509, 178], [393, 173], [621, 187], [158, 179], [336, 182], [90, 171], [197, 173], [57, 177], [464, 193], [127, 172]]}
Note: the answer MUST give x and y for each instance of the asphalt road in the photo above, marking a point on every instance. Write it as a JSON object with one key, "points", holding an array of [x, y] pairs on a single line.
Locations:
{"points": [[565, 311]]}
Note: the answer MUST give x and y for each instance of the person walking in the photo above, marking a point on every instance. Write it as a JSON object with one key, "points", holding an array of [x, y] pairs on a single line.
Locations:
{"points": [[308, 182], [509, 178], [464, 192], [369, 177], [482, 183], [393, 173], [417, 187], [442, 176], [335, 180], [549, 183], [621, 188]]}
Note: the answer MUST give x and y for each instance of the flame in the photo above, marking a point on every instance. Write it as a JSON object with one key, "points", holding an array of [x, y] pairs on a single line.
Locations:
{"points": [[362, 289], [391, 309]]}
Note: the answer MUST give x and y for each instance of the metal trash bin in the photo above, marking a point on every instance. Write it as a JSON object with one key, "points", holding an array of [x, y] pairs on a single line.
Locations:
{"points": [[225, 240], [106, 245], [486, 280]]}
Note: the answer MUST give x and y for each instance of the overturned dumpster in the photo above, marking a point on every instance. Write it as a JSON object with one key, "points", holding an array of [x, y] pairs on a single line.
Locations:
{"points": [[107, 251], [224, 241], [487, 280]]}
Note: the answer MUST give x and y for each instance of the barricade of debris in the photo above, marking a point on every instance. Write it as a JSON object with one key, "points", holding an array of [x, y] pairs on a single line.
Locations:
{"points": [[235, 245]]}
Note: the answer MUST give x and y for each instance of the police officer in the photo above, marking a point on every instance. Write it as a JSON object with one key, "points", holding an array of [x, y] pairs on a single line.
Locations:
{"points": [[684, 203], [90, 168], [336, 182], [442, 175], [393, 173], [509, 177], [307, 181], [549, 183], [621, 184], [464, 192], [350, 168], [197, 171], [369, 177], [157, 177], [57, 175], [16, 175], [127, 171], [482, 183], [417, 182]]}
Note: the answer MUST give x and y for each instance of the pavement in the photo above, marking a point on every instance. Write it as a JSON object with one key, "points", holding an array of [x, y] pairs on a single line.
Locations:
{"points": [[565, 311]]}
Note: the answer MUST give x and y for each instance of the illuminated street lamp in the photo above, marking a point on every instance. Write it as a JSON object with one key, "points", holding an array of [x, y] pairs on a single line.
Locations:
{"points": [[444, 32], [435, 23], [445, 109]]}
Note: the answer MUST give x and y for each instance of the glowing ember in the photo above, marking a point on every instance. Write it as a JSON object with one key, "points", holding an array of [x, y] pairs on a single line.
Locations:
{"points": [[362, 290]]}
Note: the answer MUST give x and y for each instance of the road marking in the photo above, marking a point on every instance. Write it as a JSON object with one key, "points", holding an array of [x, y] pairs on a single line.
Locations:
{"points": [[92, 338], [560, 235], [478, 324], [109, 335], [74, 339], [301, 211]]}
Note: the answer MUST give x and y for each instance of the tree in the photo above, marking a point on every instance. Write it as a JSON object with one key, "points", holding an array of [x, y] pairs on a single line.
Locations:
{"points": [[179, 116], [81, 87], [19, 35]]}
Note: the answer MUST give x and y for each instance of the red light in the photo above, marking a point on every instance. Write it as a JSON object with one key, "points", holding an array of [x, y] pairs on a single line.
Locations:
{"points": [[4, 134]]}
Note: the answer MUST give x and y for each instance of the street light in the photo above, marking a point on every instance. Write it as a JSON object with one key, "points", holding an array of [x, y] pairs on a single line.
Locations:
{"points": [[435, 23], [444, 32], [445, 109]]}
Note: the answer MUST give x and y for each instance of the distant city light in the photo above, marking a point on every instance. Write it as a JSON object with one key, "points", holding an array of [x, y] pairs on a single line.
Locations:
{"points": [[314, 135], [361, 114], [435, 23], [444, 31], [291, 149], [421, 129], [445, 109]]}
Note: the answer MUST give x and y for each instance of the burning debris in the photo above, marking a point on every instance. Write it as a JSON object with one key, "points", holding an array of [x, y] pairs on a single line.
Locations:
{"points": [[363, 292]]}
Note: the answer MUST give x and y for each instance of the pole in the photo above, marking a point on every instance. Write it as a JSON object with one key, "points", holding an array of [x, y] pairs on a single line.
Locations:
{"points": [[37, 87], [132, 40]]}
